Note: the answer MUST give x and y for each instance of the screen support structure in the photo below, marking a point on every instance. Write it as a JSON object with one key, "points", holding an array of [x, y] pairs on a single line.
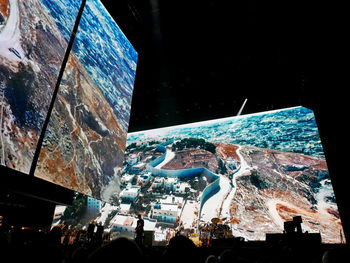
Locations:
{"points": [[54, 95], [241, 109]]}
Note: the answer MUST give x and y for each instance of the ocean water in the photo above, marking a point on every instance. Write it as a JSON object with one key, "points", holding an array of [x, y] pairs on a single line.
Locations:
{"points": [[290, 130]]}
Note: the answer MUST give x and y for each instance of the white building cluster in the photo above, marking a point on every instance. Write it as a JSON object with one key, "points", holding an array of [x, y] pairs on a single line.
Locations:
{"points": [[130, 193], [94, 205], [164, 197], [168, 209], [126, 224]]}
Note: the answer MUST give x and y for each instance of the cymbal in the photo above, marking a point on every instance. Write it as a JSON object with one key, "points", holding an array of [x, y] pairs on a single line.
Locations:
{"points": [[215, 220]]}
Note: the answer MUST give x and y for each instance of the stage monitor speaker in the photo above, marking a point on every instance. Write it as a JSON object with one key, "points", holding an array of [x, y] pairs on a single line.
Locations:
{"points": [[289, 227], [148, 238]]}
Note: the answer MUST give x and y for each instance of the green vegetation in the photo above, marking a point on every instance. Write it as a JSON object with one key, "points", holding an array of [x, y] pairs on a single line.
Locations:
{"points": [[222, 167], [19, 93], [194, 143], [110, 217], [92, 123], [142, 204], [330, 199], [74, 213], [152, 142], [256, 180], [133, 147], [198, 184]]}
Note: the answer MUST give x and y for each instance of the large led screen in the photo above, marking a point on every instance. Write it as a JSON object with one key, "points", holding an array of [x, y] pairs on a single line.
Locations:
{"points": [[83, 147], [249, 174], [34, 36]]}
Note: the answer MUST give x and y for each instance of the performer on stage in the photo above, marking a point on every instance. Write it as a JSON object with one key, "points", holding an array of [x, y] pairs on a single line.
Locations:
{"points": [[139, 230], [91, 231], [178, 226]]}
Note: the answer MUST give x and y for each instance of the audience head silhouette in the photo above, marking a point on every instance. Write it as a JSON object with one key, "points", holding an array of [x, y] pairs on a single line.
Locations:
{"points": [[211, 259], [180, 249], [122, 249], [334, 256]]}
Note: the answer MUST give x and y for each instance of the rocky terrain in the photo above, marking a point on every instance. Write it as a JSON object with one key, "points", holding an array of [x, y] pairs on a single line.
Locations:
{"points": [[260, 188], [4, 11], [28, 76], [192, 158], [274, 187], [84, 144], [281, 185]]}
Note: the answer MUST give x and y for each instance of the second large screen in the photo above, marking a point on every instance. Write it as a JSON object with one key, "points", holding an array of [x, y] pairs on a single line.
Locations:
{"points": [[83, 147], [249, 173]]}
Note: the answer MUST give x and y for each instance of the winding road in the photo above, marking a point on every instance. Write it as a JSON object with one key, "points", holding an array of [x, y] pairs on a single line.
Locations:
{"points": [[244, 168], [211, 208], [169, 155], [218, 205]]}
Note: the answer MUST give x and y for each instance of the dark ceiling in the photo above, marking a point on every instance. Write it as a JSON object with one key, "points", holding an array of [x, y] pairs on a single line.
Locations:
{"points": [[200, 59]]}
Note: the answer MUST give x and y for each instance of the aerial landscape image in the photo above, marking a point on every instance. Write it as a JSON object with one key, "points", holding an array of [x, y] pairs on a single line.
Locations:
{"points": [[247, 175], [34, 36], [253, 172], [83, 147]]}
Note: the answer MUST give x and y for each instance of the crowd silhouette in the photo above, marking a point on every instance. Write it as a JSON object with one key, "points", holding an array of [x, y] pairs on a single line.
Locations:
{"points": [[57, 247]]}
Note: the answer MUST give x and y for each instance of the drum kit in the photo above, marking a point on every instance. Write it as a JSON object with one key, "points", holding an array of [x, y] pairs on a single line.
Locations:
{"points": [[217, 229]]}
